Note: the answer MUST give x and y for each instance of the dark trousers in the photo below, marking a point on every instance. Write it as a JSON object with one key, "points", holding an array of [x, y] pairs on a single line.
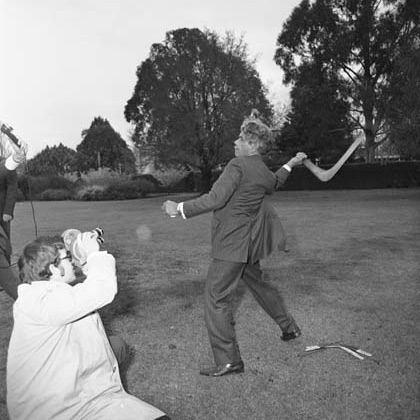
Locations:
{"points": [[222, 280], [8, 280], [6, 228]]}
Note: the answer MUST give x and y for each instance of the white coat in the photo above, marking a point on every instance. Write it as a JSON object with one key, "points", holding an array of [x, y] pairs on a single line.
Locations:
{"points": [[60, 364]]}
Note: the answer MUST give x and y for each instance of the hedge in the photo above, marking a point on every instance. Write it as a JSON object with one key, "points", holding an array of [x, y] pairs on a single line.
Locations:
{"points": [[359, 176], [350, 176]]}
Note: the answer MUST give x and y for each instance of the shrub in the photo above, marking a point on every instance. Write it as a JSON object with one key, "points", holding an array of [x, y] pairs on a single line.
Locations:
{"points": [[144, 186], [20, 196], [102, 176], [55, 195], [155, 183], [33, 186], [168, 178], [89, 193], [122, 190], [117, 190]]}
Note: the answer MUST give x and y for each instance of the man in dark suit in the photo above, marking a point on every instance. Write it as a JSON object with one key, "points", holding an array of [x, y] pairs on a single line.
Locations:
{"points": [[8, 281], [8, 186], [245, 229], [8, 196]]}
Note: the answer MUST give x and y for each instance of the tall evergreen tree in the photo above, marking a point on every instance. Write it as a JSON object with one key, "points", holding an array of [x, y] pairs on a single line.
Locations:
{"points": [[358, 40], [318, 120], [404, 106], [103, 147], [55, 160]]}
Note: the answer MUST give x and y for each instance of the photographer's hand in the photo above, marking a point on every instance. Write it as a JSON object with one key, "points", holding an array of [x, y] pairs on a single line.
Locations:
{"points": [[89, 243]]}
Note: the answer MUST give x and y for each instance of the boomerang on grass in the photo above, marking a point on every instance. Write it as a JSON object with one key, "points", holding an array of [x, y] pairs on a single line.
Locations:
{"points": [[325, 175], [354, 351]]}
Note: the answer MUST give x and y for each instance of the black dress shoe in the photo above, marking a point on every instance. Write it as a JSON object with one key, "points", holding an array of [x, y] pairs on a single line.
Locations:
{"points": [[291, 335], [223, 370]]}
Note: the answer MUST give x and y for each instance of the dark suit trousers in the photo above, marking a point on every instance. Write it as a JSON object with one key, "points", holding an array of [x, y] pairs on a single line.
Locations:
{"points": [[6, 228], [8, 280], [222, 279]]}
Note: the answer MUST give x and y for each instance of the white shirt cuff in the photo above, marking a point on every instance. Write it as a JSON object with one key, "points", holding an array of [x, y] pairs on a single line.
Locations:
{"points": [[287, 167], [180, 208], [11, 164]]}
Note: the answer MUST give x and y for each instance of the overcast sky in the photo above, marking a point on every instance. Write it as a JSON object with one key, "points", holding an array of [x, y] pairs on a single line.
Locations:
{"points": [[64, 62]]}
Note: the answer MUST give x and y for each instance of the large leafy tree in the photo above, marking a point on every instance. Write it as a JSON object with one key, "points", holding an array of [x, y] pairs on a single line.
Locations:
{"points": [[191, 96], [318, 121], [404, 106], [55, 160], [358, 40], [103, 147]]}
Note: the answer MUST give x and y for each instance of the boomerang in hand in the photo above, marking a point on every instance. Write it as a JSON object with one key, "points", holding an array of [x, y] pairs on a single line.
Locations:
{"points": [[325, 175]]}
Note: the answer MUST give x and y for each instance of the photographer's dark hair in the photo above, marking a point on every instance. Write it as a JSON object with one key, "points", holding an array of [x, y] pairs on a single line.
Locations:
{"points": [[34, 264]]}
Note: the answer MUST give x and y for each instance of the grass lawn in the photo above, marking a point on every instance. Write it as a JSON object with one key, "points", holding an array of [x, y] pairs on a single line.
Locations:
{"points": [[351, 275]]}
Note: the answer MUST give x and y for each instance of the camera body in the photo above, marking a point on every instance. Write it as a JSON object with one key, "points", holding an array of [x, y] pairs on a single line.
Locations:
{"points": [[72, 242]]}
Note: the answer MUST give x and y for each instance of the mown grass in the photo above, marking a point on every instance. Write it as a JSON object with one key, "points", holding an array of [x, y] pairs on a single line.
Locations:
{"points": [[351, 275]]}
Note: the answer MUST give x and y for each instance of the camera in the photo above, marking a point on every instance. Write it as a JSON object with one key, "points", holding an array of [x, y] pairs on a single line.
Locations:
{"points": [[72, 242]]}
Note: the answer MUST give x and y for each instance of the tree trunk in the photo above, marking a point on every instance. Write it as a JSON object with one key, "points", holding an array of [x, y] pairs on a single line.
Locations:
{"points": [[369, 134], [370, 147]]}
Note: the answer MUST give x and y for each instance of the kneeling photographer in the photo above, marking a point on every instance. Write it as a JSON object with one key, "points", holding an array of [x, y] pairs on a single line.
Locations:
{"points": [[60, 363]]}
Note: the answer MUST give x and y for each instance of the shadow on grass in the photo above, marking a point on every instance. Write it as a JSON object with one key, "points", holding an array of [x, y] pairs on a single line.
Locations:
{"points": [[185, 294]]}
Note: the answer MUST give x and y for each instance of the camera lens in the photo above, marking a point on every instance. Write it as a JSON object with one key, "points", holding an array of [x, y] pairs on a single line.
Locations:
{"points": [[99, 231]]}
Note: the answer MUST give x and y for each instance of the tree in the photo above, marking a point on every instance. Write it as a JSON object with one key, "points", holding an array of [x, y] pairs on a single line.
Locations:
{"points": [[318, 120], [55, 160], [403, 112], [191, 96], [359, 41], [101, 147]]}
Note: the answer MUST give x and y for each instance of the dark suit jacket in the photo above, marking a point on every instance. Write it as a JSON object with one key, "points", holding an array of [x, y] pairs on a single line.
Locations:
{"points": [[8, 190], [5, 247], [245, 225]]}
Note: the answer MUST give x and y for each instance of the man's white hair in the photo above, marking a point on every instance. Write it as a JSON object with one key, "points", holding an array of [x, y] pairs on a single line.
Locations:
{"points": [[255, 131]]}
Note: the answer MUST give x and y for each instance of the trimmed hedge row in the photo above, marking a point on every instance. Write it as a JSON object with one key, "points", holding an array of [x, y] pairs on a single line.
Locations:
{"points": [[355, 176], [350, 176], [359, 176]]}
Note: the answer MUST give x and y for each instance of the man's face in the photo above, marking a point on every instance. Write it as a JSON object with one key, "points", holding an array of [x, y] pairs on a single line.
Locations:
{"points": [[66, 274], [242, 147]]}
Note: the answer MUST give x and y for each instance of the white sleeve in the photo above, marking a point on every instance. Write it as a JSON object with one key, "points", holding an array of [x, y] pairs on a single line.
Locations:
{"points": [[180, 208], [64, 305], [11, 164]]}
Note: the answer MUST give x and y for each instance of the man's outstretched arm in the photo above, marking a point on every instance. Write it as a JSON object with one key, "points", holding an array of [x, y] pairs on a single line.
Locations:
{"points": [[220, 193], [283, 173]]}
